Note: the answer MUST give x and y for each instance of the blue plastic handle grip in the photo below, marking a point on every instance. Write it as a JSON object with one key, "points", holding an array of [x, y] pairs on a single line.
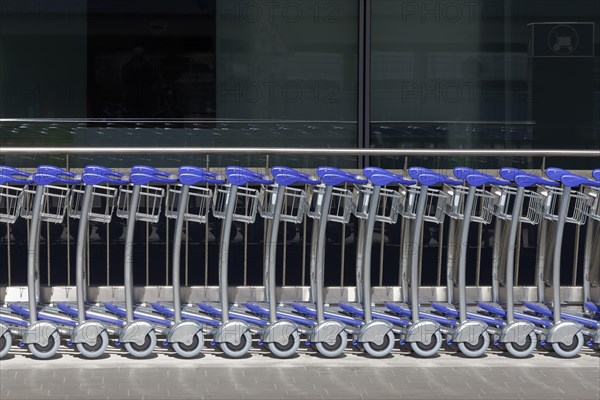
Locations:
{"points": [[144, 169], [100, 170], [556, 174], [43, 179], [416, 171], [52, 170], [334, 176], [189, 175], [286, 176], [382, 177], [239, 176], [140, 178], [528, 180], [573, 180], [596, 174], [462, 172], [13, 175], [509, 173], [480, 179], [90, 178]]}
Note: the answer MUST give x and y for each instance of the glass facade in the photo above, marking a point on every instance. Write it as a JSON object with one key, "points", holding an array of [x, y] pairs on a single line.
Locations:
{"points": [[299, 73]]}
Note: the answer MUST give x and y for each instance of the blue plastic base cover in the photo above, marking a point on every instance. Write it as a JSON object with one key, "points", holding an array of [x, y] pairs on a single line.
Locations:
{"points": [[283, 315], [450, 310], [121, 312], [546, 311], [357, 310], [210, 309], [312, 312], [403, 309], [203, 319], [497, 310]]}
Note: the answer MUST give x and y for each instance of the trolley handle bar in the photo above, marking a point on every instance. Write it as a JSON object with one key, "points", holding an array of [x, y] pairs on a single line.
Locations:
{"points": [[596, 174], [189, 175], [572, 180], [44, 179], [382, 177], [146, 170], [510, 173], [239, 176], [556, 174], [462, 172], [333, 176], [481, 179], [13, 175], [97, 174], [139, 178], [416, 171], [286, 176], [528, 180], [431, 178]]}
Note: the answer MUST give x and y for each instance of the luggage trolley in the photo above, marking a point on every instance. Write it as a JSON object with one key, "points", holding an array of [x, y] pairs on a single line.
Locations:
{"points": [[11, 200], [422, 203], [94, 201], [47, 203], [281, 202], [591, 259], [187, 202], [564, 205], [382, 204], [138, 202], [529, 208], [233, 202]]}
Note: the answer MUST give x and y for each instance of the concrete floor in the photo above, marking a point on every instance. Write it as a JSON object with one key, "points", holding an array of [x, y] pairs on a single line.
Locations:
{"points": [[259, 376]]}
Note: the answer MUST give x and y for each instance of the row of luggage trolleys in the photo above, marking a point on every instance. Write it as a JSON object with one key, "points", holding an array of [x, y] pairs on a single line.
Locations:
{"points": [[331, 195]]}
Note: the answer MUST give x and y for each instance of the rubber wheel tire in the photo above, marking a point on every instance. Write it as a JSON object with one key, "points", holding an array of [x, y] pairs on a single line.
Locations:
{"points": [[241, 349], [5, 343], [569, 351], [193, 349], [477, 350], [382, 350], [288, 350], [48, 351], [144, 350], [515, 350], [95, 350], [429, 350], [336, 349]]}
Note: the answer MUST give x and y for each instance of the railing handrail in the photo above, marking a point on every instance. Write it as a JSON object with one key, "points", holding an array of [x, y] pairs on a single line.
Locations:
{"points": [[302, 151]]}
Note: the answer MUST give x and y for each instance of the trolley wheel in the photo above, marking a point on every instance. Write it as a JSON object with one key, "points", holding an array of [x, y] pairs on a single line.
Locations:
{"points": [[287, 350], [95, 350], [191, 350], [383, 349], [333, 350], [47, 351], [478, 349], [526, 349], [143, 350], [571, 350], [240, 350], [5, 343], [428, 350]]}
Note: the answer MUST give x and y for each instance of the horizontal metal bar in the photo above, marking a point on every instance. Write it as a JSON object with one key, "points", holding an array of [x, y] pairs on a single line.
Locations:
{"points": [[303, 151]]}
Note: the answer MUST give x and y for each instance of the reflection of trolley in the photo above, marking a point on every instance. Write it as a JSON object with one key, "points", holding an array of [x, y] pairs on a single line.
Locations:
{"points": [[11, 200]]}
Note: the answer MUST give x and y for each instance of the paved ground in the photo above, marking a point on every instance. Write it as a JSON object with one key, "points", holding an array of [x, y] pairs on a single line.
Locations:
{"points": [[259, 376]]}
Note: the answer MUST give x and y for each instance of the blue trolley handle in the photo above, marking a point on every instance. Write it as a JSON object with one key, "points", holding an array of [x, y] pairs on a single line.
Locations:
{"points": [[431, 178], [96, 175], [596, 174], [189, 175], [573, 180], [13, 175], [239, 176], [144, 169], [528, 180], [334, 176], [481, 179], [510, 173], [382, 177], [556, 174], [49, 174], [286, 176]]}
